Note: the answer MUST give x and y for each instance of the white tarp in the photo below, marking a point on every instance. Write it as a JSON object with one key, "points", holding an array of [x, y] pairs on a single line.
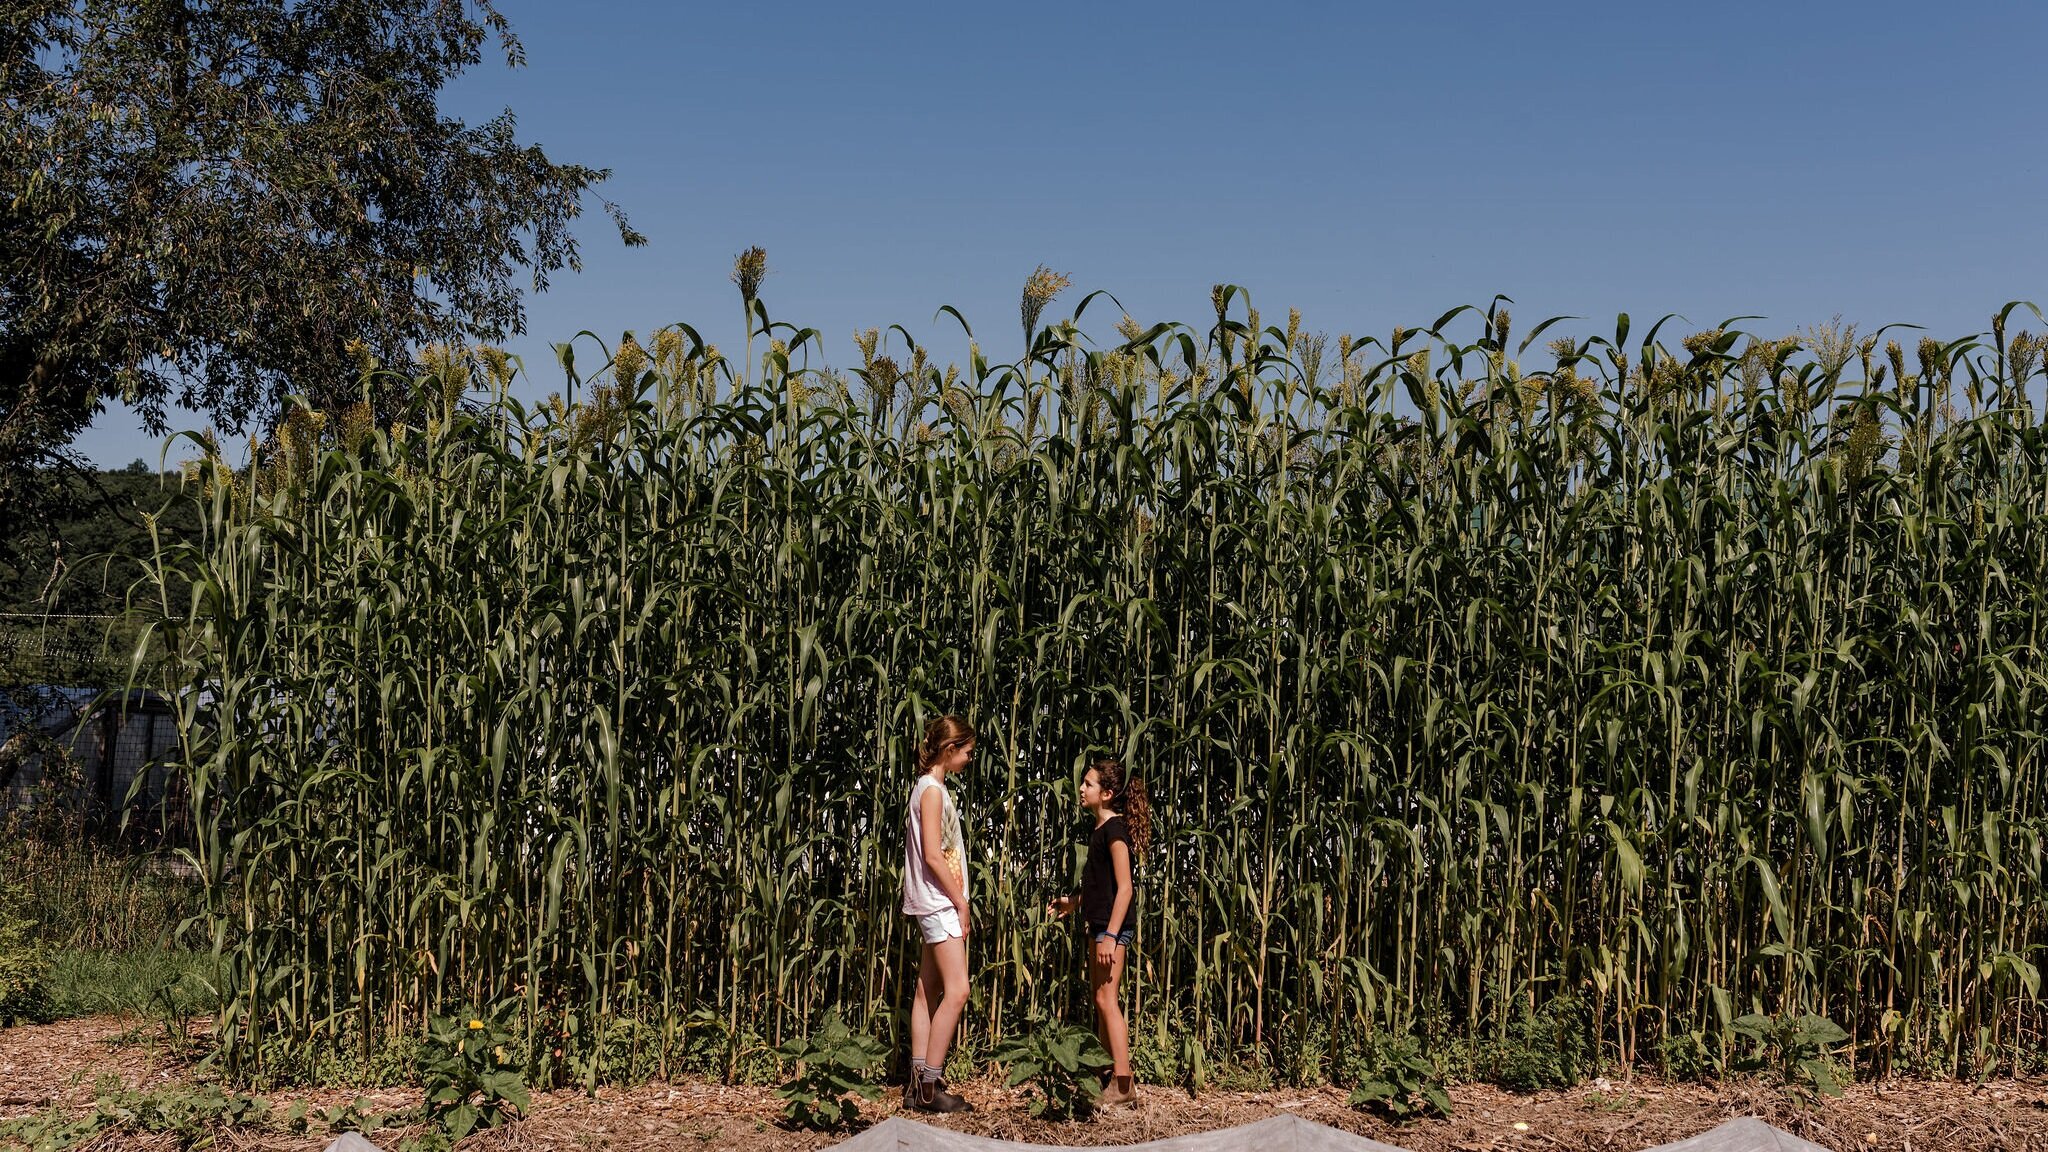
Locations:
{"points": [[1284, 1133], [1748, 1134]]}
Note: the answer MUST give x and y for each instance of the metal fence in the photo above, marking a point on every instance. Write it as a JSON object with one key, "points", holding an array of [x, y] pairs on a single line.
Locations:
{"points": [[73, 733]]}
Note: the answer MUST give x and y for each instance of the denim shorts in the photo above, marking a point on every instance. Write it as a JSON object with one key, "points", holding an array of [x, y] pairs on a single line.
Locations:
{"points": [[1101, 932]]}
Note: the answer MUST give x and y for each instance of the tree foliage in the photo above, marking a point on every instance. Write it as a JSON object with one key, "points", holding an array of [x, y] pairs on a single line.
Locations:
{"points": [[215, 201]]}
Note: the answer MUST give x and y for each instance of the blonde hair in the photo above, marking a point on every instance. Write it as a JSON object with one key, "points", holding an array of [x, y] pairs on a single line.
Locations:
{"points": [[943, 735]]}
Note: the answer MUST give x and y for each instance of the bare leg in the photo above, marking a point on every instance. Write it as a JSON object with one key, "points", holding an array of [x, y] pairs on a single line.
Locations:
{"points": [[923, 998], [1109, 1015], [950, 956], [1101, 1018]]}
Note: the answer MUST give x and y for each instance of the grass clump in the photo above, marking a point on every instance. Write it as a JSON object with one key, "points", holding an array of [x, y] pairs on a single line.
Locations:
{"points": [[90, 924], [86, 882], [24, 968], [141, 982]]}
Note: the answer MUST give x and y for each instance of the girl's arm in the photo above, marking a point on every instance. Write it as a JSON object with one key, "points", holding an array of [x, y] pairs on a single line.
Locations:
{"points": [[1061, 905], [931, 811], [1120, 857]]}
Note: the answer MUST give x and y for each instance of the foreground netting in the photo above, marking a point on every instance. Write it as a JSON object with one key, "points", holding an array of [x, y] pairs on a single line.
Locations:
{"points": [[1287, 1133], [1283, 1133], [1748, 1134]]}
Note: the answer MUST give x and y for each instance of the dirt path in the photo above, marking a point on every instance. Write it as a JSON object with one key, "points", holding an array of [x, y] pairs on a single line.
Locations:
{"points": [[61, 1064]]}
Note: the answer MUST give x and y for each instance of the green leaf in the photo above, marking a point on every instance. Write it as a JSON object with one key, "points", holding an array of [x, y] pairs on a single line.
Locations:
{"points": [[1820, 1030]]}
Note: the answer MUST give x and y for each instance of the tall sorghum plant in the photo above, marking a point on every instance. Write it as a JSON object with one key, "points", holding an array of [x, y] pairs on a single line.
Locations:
{"points": [[1682, 681]]}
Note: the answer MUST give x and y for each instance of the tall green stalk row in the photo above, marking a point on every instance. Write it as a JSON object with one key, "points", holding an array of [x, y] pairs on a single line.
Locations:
{"points": [[1671, 683]]}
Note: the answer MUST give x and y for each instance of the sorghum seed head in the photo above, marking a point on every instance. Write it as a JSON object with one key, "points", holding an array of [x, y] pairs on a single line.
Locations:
{"points": [[1930, 357], [1039, 289], [629, 360], [747, 270]]}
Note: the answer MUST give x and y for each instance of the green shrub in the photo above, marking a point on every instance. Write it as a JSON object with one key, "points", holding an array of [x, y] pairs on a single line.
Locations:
{"points": [[1547, 1048], [1061, 1062], [1390, 1075], [834, 1071], [1687, 1056], [1170, 1052], [965, 1060], [193, 1114], [24, 967], [470, 1075], [1304, 1053], [1798, 1048], [1156, 1060]]}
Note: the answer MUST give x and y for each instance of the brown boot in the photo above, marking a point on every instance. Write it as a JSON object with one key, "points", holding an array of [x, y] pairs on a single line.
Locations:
{"points": [[1121, 1090], [931, 1096]]}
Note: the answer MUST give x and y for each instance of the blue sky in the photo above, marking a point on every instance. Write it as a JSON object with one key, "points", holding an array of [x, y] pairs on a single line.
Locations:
{"points": [[1370, 164]]}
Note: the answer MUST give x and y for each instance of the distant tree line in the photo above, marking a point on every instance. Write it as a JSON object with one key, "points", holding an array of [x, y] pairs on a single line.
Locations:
{"points": [[67, 576]]}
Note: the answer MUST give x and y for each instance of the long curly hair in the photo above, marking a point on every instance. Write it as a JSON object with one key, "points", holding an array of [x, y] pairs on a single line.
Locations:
{"points": [[1127, 799]]}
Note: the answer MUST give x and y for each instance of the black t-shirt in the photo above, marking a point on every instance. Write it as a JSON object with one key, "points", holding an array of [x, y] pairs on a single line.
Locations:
{"points": [[1098, 875]]}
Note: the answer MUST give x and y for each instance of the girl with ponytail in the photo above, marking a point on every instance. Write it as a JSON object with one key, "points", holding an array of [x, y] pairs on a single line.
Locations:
{"points": [[1123, 828], [935, 895]]}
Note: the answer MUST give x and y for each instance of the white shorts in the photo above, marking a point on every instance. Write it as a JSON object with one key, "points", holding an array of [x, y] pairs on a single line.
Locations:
{"points": [[940, 926]]}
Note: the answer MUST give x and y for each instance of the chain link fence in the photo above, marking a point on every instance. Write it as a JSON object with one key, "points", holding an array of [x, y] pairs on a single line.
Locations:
{"points": [[74, 734]]}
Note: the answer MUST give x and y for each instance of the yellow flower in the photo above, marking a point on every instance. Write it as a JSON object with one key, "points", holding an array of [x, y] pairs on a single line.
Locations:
{"points": [[476, 1025]]}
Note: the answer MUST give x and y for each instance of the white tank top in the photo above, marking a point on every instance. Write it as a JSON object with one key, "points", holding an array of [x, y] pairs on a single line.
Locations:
{"points": [[921, 895]]}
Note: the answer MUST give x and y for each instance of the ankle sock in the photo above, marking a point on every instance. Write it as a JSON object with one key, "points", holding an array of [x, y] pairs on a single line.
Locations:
{"points": [[926, 1074]]}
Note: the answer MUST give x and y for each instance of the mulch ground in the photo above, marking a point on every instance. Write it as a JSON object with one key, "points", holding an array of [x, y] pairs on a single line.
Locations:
{"points": [[62, 1064]]}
